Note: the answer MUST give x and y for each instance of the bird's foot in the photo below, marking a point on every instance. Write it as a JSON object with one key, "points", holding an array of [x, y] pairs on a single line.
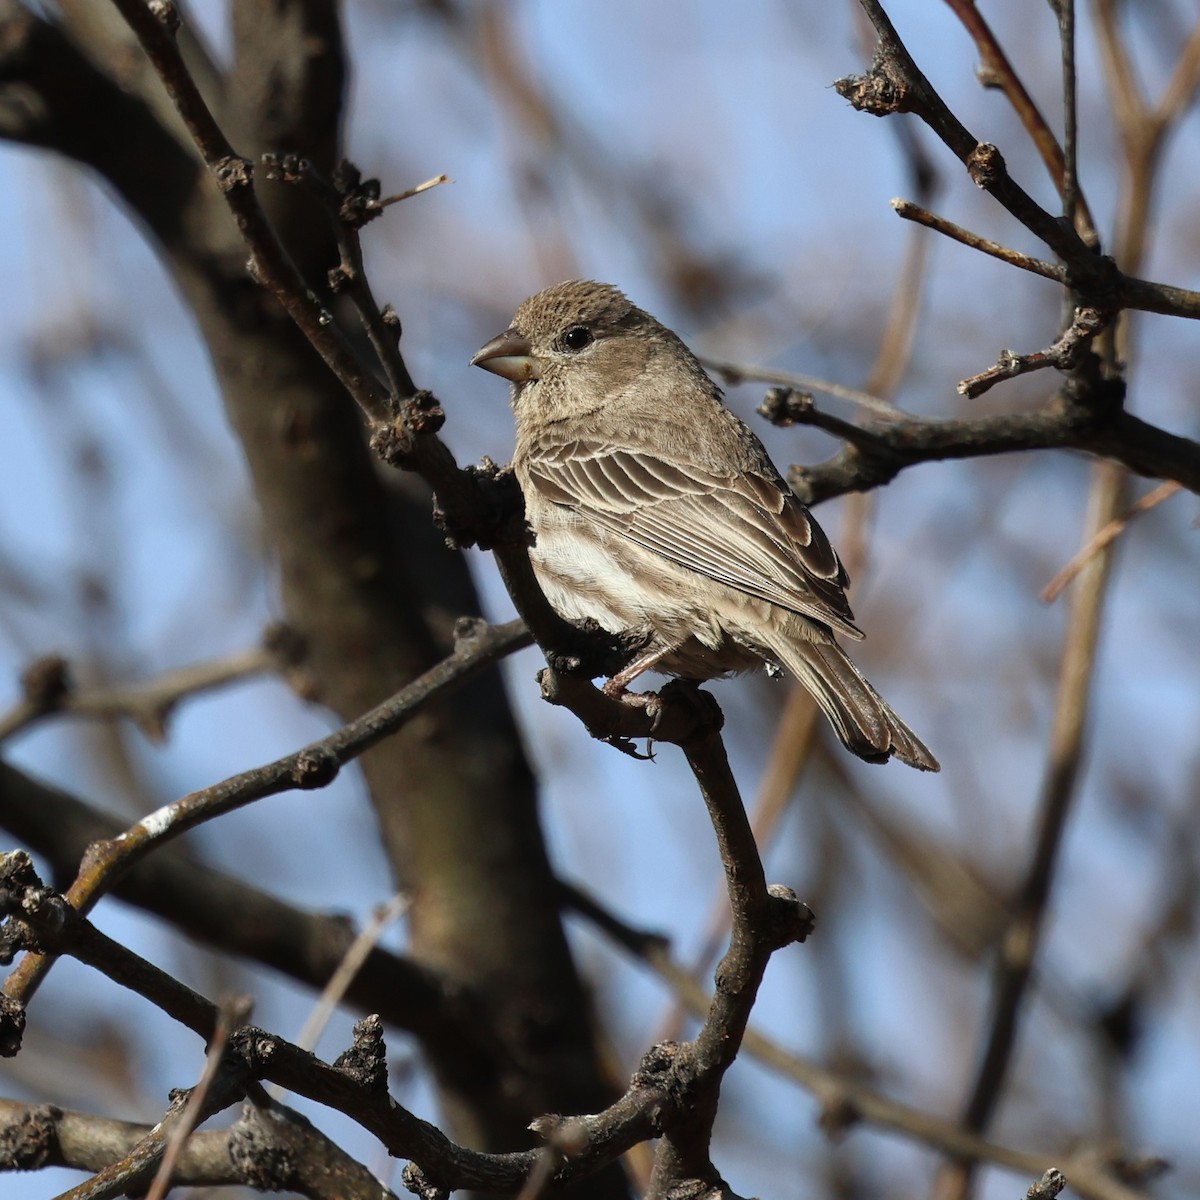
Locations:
{"points": [[615, 689]]}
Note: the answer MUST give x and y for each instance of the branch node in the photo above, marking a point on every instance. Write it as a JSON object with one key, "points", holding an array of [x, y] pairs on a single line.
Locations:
{"points": [[358, 198], [1046, 1188], [46, 682], [985, 165], [286, 645], [12, 1026], [416, 1181], [788, 919], [395, 442], [423, 413], [232, 172], [838, 1117], [785, 406], [166, 12], [883, 90], [494, 516], [254, 1047], [391, 318], [315, 768], [468, 631], [287, 168], [366, 1060], [656, 1066], [31, 1144], [340, 278]]}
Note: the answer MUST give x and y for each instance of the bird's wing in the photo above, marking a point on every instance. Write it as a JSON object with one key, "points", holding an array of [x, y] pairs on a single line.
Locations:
{"points": [[745, 530]]}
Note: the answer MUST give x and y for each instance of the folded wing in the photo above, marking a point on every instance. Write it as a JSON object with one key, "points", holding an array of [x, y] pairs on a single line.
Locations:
{"points": [[747, 530]]}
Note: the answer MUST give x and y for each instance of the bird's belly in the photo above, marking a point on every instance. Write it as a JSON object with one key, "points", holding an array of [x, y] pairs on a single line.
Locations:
{"points": [[625, 588], [584, 576]]}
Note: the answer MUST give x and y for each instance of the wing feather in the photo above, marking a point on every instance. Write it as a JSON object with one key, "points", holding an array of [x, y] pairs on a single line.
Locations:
{"points": [[747, 531]]}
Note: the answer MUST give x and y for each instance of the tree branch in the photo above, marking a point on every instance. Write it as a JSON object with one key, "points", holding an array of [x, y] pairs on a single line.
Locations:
{"points": [[315, 766], [882, 450]]}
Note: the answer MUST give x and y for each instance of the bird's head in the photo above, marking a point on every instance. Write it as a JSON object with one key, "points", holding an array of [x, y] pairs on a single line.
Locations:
{"points": [[574, 347]]}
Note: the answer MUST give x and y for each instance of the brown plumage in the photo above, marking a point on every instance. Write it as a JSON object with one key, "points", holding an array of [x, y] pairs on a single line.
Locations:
{"points": [[654, 508]]}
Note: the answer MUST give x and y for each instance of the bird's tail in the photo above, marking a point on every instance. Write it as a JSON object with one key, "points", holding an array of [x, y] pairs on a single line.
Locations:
{"points": [[863, 720]]}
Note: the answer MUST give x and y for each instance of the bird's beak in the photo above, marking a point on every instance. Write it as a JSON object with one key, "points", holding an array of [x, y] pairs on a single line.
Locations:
{"points": [[510, 356]]}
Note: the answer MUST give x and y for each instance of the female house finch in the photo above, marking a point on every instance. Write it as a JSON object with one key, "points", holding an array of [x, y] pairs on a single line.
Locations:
{"points": [[655, 509]]}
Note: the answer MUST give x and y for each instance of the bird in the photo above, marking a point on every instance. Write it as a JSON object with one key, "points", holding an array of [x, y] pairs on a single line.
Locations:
{"points": [[654, 509]]}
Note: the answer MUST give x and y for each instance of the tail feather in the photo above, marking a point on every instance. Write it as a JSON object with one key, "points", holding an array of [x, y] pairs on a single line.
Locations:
{"points": [[866, 724]]}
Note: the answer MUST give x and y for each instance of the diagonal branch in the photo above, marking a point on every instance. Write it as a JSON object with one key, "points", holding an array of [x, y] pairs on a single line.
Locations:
{"points": [[270, 263], [896, 84], [315, 766]]}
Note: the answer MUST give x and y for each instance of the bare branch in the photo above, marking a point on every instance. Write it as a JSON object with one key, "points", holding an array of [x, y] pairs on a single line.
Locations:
{"points": [[270, 263], [48, 689], [1014, 258], [996, 70], [315, 766], [1064, 355], [896, 84], [845, 1100], [271, 1150], [237, 918], [880, 452]]}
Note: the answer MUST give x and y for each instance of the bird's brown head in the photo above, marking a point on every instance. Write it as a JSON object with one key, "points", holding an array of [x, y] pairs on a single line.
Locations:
{"points": [[575, 346]]}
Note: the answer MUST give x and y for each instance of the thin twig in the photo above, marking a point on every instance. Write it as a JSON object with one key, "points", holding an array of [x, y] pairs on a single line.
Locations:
{"points": [[232, 1013], [996, 70], [1070, 183], [735, 373], [1103, 537], [352, 962], [1019, 945], [896, 84], [1064, 355], [1014, 258], [270, 263], [408, 193], [148, 703], [349, 203]]}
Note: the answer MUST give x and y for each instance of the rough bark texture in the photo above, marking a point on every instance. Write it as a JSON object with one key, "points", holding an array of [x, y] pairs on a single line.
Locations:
{"points": [[364, 580]]}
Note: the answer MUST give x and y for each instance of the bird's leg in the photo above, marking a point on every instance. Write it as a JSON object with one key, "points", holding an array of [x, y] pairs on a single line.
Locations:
{"points": [[618, 685]]}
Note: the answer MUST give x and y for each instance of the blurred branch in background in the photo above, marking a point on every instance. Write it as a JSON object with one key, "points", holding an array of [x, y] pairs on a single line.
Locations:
{"points": [[709, 161]]}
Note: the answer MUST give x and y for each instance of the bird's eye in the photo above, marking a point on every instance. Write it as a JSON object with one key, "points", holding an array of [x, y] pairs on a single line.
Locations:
{"points": [[577, 337]]}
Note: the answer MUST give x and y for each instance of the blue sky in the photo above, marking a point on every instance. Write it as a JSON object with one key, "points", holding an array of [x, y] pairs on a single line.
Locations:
{"points": [[118, 469]]}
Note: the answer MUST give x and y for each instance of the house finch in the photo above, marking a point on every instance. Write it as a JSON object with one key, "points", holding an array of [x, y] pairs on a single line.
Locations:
{"points": [[655, 509]]}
